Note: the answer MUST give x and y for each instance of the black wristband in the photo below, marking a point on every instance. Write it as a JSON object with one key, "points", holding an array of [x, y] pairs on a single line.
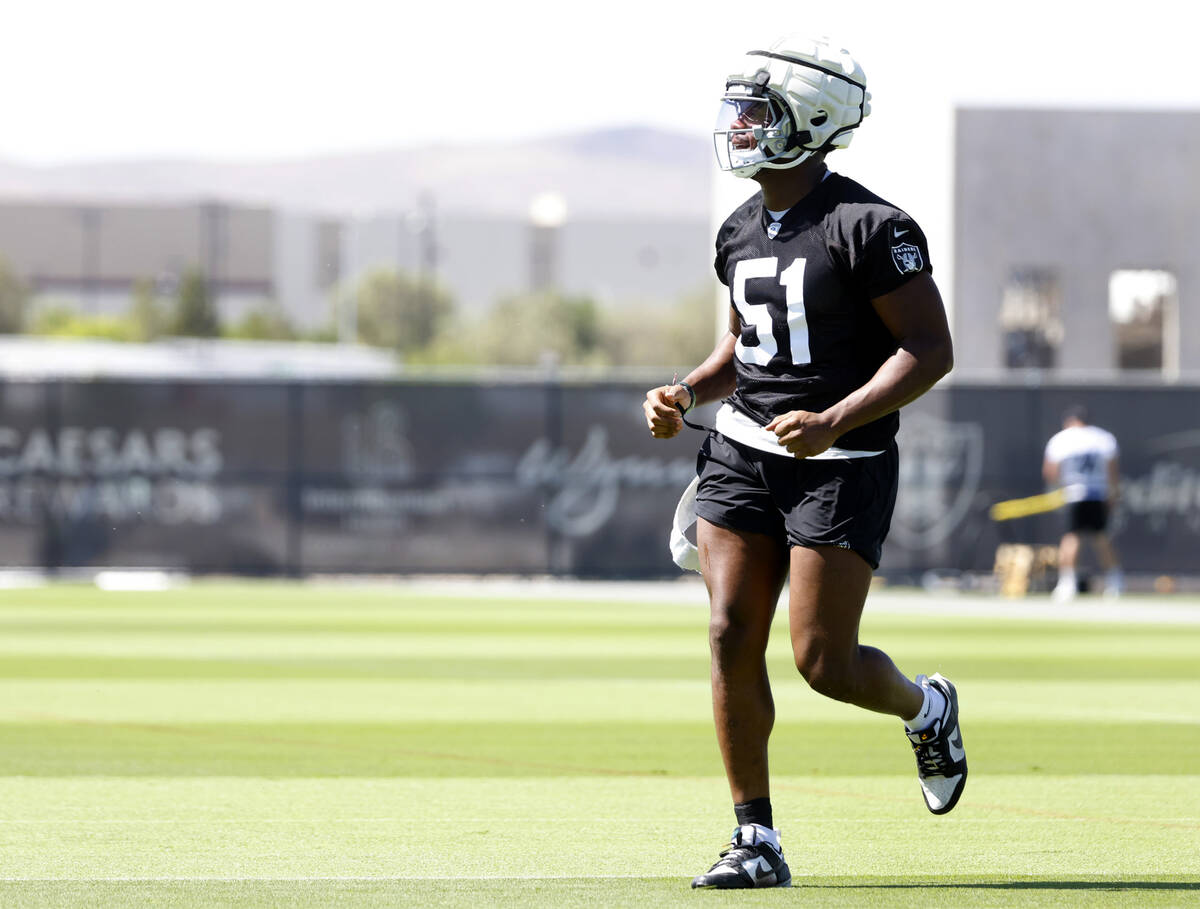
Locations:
{"points": [[691, 391]]}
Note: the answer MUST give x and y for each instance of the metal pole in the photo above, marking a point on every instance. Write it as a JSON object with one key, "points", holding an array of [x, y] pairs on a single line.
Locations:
{"points": [[90, 246]]}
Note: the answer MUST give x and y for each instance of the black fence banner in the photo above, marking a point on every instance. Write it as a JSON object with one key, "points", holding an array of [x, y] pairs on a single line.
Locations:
{"points": [[526, 477]]}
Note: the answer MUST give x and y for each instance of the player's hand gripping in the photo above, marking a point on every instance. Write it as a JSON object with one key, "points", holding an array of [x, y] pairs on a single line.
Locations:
{"points": [[662, 414], [802, 433]]}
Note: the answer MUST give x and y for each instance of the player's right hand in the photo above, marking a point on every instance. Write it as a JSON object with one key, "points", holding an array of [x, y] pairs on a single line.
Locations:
{"points": [[662, 416]]}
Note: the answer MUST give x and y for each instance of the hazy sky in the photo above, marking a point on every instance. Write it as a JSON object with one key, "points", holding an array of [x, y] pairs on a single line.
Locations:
{"points": [[268, 79], [260, 78]]}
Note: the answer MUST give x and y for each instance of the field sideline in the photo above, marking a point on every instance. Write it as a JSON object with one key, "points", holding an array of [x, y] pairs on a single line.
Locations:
{"points": [[507, 743]]}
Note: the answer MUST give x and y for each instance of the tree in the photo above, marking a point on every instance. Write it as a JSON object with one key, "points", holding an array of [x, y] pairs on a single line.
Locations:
{"points": [[681, 334], [62, 320], [147, 315], [267, 322], [691, 327], [396, 310], [525, 330], [14, 299], [195, 314]]}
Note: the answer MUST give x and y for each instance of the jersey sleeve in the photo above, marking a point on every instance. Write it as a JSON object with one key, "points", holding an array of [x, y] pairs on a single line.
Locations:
{"points": [[1111, 449], [889, 255], [879, 245], [719, 264], [1052, 453]]}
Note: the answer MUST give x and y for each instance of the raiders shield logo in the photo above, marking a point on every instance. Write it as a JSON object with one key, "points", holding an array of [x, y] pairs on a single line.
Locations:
{"points": [[907, 258], [940, 475]]}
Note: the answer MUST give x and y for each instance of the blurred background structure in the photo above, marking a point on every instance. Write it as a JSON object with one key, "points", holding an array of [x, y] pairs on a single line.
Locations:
{"points": [[361, 318], [1089, 234]]}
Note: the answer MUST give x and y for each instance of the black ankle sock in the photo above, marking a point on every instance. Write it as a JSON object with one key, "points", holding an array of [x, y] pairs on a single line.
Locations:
{"points": [[755, 811]]}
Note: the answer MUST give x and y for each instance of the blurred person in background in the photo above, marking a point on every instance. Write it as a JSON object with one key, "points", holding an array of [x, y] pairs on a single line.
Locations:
{"points": [[835, 323], [1081, 459]]}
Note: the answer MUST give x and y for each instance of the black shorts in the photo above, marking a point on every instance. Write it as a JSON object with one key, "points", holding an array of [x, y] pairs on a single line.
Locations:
{"points": [[1090, 516], [843, 502]]}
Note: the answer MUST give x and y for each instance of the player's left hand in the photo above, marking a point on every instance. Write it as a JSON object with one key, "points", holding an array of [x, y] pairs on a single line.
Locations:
{"points": [[802, 433]]}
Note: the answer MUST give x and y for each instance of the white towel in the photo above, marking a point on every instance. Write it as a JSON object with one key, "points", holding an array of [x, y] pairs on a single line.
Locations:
{"points": [[683, 530]]}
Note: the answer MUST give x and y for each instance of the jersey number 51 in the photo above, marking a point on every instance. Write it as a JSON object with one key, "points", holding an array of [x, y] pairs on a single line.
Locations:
{"points": [[758, 315]]}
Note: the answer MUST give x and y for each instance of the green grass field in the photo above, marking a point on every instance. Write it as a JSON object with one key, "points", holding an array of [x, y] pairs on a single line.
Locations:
{"points": [[285, 745]]}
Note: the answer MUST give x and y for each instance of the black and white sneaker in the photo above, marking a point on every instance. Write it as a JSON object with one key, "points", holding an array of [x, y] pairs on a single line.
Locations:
{"points": [[753, 858], [941, 759]]}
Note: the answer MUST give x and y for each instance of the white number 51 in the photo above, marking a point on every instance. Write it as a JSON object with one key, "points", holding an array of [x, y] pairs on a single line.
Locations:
{"points": [[756, 314]]}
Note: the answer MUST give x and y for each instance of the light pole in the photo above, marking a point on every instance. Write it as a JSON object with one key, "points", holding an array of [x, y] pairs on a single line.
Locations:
{"points": [[547, 215]]}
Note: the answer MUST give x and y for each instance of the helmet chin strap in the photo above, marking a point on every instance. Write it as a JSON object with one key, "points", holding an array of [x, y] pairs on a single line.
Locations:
{"points": [[789, 162], [796, 142], [777, 162]]}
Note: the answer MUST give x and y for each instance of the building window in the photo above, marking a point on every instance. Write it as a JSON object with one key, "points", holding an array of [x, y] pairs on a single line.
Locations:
{"points": [[1144, 311], [1031, 318]]}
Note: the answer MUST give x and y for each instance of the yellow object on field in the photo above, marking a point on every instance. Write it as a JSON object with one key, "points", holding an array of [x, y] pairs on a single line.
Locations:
{"points": [[1047, 501]]}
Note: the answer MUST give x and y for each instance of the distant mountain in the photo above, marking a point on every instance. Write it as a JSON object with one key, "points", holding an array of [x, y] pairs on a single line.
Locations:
{"points": [[617, 172]]}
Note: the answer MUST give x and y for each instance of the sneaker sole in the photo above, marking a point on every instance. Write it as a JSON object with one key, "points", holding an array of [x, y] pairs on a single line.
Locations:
{"points": [[784, 882]]}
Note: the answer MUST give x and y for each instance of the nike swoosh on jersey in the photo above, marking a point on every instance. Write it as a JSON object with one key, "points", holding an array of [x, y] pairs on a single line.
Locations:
{"points": [[899, 233]]}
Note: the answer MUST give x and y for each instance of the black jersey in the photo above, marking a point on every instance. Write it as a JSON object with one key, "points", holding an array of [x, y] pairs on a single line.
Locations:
{"points": [[802, 292]]}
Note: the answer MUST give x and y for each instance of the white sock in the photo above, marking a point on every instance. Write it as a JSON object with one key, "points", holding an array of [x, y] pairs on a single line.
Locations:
{"points": [[1066, 580], [768, 834], [932, 708], [763, 834]]}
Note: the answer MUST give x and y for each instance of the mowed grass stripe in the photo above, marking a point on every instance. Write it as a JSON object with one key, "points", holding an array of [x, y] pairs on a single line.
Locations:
{"points": [[522, 749], [456, 634], [494, 626], [497, 668], [610, 891], [613, 700], [468, 622], [467, 802], [273, 608]]}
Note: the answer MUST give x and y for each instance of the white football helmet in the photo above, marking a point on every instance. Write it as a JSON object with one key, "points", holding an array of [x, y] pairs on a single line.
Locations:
{"points": [[800, 97]]}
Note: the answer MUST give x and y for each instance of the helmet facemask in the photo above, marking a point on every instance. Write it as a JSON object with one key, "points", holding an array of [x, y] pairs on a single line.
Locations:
{"points": [[754, 127]]}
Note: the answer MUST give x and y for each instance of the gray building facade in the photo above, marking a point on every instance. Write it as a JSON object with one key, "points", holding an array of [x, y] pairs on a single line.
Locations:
{"points": [[90, 254], [481, 259], [1077, 235]]}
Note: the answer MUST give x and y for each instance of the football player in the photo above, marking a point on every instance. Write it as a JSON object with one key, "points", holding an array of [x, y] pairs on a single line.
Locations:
{"points": [[834, 324], [1083, 459]]}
